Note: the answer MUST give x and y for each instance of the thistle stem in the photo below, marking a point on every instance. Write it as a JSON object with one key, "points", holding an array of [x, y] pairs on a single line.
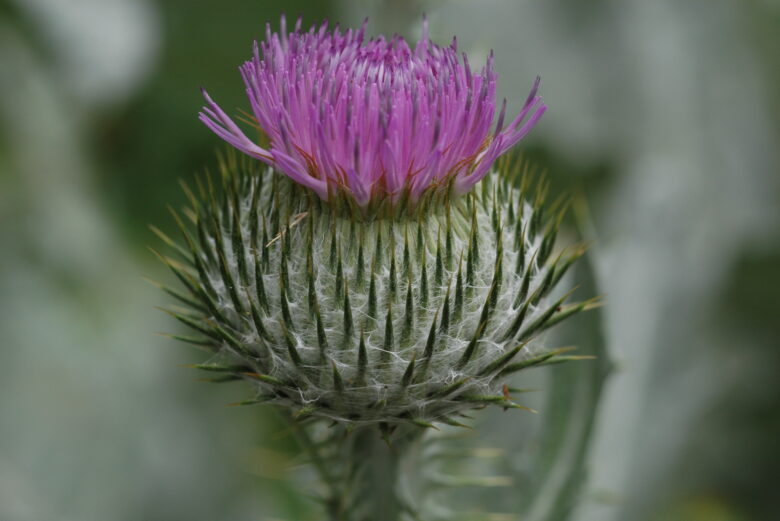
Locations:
{"points": [[373, 471]]}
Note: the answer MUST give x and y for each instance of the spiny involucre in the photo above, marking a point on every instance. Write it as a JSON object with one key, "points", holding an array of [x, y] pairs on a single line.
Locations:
{"points": [[368, 284]]}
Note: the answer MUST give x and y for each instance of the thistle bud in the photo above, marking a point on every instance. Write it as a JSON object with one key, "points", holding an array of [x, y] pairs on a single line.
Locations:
{"points": [[351, 273]]}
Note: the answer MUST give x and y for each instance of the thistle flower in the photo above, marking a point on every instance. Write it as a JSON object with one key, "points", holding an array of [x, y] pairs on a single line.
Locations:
{"points": [[373, 119], [411, 316]]}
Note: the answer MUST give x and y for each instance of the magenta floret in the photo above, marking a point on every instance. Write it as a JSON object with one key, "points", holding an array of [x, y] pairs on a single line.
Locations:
{"points": [[372, 117]]}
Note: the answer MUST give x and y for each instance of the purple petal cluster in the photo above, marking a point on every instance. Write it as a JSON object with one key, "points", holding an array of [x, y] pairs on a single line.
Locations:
{"points": [[372, 117]]}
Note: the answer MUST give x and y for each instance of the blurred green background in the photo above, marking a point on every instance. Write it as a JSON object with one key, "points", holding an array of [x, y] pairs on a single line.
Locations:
{"points": [[663, 113]]}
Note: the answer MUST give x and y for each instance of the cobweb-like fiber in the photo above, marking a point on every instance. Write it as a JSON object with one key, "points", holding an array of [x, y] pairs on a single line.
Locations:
{"points": [[408, 317]]}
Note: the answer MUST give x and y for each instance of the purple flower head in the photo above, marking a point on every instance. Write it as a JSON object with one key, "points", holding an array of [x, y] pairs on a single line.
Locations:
{"points": [[373, 118]]}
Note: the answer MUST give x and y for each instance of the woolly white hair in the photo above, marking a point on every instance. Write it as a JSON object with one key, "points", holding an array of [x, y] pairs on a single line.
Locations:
{"points": [[401, 315]]}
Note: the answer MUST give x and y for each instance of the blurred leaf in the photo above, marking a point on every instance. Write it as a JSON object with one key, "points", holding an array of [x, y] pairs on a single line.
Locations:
{"points": [[575, 389]]}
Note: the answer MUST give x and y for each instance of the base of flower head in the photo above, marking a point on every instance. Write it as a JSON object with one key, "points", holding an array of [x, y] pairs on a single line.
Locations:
{"points": [[403, 317]]}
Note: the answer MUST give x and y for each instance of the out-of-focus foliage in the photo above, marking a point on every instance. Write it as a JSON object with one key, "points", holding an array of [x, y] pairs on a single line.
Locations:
{"points": [[664, 115]]}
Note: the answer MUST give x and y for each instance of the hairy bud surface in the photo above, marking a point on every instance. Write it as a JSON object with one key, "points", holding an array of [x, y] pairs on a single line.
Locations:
{"points": [[399, 317]]}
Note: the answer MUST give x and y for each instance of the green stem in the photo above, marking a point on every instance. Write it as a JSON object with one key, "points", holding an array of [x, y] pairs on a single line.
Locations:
{"points": [[371, 472]]}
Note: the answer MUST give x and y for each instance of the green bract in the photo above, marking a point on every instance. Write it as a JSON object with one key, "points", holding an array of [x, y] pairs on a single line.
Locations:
{"points": [[399, 315]]}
